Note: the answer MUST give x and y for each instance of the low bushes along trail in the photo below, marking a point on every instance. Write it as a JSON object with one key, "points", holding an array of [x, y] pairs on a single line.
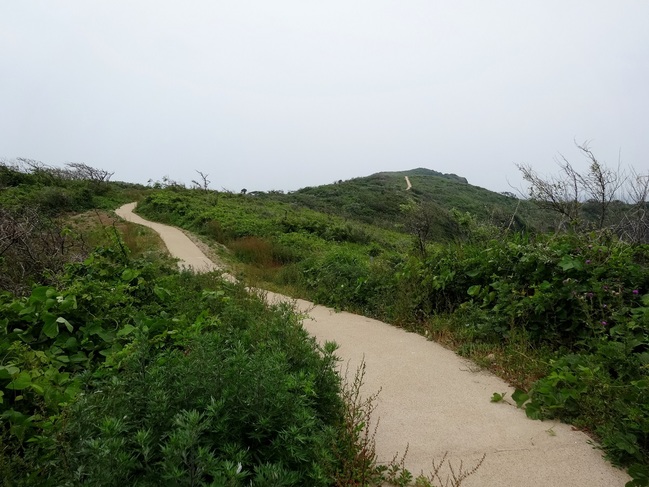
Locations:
{"points": [[434, 402]]}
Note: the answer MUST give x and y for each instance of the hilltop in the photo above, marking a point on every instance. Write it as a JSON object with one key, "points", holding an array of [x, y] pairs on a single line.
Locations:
{"points": [[422, 171], [381, 199]]}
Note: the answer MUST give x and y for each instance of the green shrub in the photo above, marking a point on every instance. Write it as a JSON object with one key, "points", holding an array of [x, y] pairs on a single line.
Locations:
{"points": [[336, 278], [232, 407], [131, 373]]}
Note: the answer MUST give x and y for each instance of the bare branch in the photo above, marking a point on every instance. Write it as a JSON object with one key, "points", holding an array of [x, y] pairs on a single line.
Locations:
{"points": [[80, 170], [610, 198], [204, 185]]}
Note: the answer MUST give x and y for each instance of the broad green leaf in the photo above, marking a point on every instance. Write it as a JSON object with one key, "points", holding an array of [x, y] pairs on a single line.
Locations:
{"points": [[474, 290], [70, 302], [520, 397], [129, 274], [92, 329], [533, 411], [78, 357], [72, 390], [27, 310], [39, 294], [23, 380], [126, 330], [51, 328], [161, 292], [568, 262], [641, 384], [8, 371], [71, 344], [107, 336]]}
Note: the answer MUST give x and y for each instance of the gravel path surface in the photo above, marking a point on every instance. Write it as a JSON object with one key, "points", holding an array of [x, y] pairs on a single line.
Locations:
{"points": [[434, 402]]}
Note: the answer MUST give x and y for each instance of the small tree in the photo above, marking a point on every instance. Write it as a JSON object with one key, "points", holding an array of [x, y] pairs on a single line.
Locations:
{"points": [[561, 194], [634, 226], [601, 184], [79, 170], [426, 221], [600, 188], [204, 184], [33, 247]]}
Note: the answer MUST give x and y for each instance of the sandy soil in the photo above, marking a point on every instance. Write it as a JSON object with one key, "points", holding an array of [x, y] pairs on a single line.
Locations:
{"points": [[434, 402]]}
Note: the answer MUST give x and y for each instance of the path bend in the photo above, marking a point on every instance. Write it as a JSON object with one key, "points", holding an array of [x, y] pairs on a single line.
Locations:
{"points": [[435, 402]]}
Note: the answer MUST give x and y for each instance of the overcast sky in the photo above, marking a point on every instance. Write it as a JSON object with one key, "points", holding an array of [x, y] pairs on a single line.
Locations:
{"points": [[286, 94]]}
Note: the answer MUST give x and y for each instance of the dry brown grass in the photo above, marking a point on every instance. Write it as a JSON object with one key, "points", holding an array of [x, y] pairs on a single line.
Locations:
{"points": [[253, 250], [98, 228]]}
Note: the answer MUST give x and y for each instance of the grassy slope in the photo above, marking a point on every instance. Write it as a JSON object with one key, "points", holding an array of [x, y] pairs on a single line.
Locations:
{"points": [[521, 303], [378, 199], [128, 311], [504, 299]]}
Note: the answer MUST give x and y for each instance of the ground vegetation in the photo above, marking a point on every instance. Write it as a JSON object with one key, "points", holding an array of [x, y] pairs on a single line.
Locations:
{"points": [[116, 369], [562, 314]]}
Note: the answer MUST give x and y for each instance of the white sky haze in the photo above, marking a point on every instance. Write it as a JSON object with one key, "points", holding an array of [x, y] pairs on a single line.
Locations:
{"points": [[286, 94]]}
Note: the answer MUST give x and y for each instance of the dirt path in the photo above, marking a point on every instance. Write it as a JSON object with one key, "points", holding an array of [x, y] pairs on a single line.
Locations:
{"points": [[409, 186], [436, 402]]}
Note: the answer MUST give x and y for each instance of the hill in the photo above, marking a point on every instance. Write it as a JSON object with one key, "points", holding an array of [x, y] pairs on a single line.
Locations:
{"points": [[382, 199], [422, 171]]}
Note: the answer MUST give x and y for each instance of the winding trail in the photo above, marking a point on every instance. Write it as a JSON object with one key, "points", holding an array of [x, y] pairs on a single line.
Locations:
{"points": [[436, 402]]}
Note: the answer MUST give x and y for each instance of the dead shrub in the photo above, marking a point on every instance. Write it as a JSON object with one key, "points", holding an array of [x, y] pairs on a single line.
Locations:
{"points": [[33, 248]]}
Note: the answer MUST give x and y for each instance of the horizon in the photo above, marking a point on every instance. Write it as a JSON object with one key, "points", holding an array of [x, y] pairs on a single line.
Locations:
{"points": [[17, 164]]}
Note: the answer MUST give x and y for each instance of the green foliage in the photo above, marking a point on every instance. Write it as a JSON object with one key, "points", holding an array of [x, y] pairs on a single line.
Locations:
{"points": [[232, 406], [580, 295], [128, 372], [115, 370], [605, 388], [50, 336], [237, 216], [33, 248], [54, 191], [572, 301], [378, 199], [498, 397], [336, 278]]}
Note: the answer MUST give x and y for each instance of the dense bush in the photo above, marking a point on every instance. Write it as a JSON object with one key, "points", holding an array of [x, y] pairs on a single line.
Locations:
{"points": [[229, 406], [232, 217], [558, 289], [54, 191], [34, 248], [131, 373]]}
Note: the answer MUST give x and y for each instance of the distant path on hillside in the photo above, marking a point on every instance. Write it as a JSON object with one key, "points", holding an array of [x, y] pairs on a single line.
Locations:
{"points": [[408, 183], [436, 402]]}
